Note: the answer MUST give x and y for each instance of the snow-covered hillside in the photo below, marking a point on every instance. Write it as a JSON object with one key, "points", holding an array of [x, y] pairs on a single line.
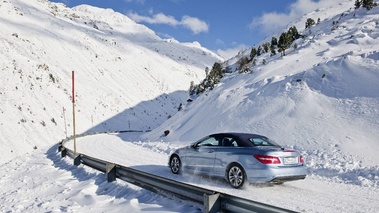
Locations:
{"points": [[121, 68], [321, 98], [323, 95]]}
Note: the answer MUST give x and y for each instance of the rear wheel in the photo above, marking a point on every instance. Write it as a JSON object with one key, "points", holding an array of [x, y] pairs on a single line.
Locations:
{"points": [[175, 164], [235, 175]]}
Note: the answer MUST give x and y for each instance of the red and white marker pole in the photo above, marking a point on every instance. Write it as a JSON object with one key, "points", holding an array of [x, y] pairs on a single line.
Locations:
{"points": [[73, 111]]}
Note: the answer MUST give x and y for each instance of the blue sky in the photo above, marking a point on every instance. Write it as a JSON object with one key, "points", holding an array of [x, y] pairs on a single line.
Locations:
{"points": [[223, 26]]}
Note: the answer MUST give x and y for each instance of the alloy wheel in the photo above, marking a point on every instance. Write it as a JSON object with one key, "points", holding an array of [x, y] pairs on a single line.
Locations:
{"points": [[175, 164], [236, 176]]}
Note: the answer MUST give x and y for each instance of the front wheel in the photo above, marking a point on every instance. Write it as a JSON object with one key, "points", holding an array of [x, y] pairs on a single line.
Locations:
{"points": [[236, 176], [175, 164]]}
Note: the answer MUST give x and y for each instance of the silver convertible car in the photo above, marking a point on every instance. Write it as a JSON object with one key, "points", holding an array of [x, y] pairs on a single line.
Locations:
{"points": [[239, 157]]}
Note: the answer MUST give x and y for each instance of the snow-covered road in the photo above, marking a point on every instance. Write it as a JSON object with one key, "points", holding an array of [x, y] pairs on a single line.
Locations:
{"points": [[317, 193], [42, 181]]}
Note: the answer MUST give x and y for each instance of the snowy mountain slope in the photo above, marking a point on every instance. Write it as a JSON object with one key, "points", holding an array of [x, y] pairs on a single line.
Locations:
{"points": [[323, 95], [118, 64], [322, 98]]}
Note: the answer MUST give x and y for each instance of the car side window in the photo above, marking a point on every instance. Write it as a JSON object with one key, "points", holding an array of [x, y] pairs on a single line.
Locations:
{"points": [[229, 141], [211, 141], [261, 141]]}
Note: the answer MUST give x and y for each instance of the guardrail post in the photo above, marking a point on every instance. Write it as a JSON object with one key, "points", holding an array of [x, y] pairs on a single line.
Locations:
{"points": [[111, 172], [212, 203], [60, 146], [62, 149], [63, 152], [77, 160]]}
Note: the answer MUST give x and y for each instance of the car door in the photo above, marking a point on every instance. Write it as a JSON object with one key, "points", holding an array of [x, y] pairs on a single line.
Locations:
{"points": [[224, 154], [202, 155]]}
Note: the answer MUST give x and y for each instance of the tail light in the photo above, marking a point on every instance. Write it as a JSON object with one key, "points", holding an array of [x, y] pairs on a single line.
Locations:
{"points": [[301, 159], [267, 159]]}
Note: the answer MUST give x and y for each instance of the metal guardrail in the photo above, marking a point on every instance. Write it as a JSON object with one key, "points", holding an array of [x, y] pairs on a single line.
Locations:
{"points": [[212, 201]]}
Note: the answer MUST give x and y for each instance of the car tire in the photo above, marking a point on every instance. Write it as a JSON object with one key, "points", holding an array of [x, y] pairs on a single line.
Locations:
{"points": [[175, 164], [235, 175]]}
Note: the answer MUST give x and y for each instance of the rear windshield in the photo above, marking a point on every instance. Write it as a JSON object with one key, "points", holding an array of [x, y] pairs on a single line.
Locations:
{"points": [[262, 141]]}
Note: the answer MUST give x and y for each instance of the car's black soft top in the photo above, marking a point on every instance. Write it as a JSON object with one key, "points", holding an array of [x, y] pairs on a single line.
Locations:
{"points": [[243, 139], [237, 134]]}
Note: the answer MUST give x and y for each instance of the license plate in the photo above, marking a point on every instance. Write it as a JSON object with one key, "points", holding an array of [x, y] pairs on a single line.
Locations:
{"points": [[290, 160]]}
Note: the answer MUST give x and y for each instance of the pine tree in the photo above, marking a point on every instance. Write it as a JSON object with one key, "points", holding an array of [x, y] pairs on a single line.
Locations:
{"points": [[293, 33], [285, 41], [309, 23], [200, 88], [266, 47], [272, 49], [259, 51], [242, 62], [274, 41], [253, 53], [217, 69], [214, 76], [369, 4]]}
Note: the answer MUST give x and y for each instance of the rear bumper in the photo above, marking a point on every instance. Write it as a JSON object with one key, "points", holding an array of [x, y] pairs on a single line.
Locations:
{"points": [[276, 174], [287, 178]]}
